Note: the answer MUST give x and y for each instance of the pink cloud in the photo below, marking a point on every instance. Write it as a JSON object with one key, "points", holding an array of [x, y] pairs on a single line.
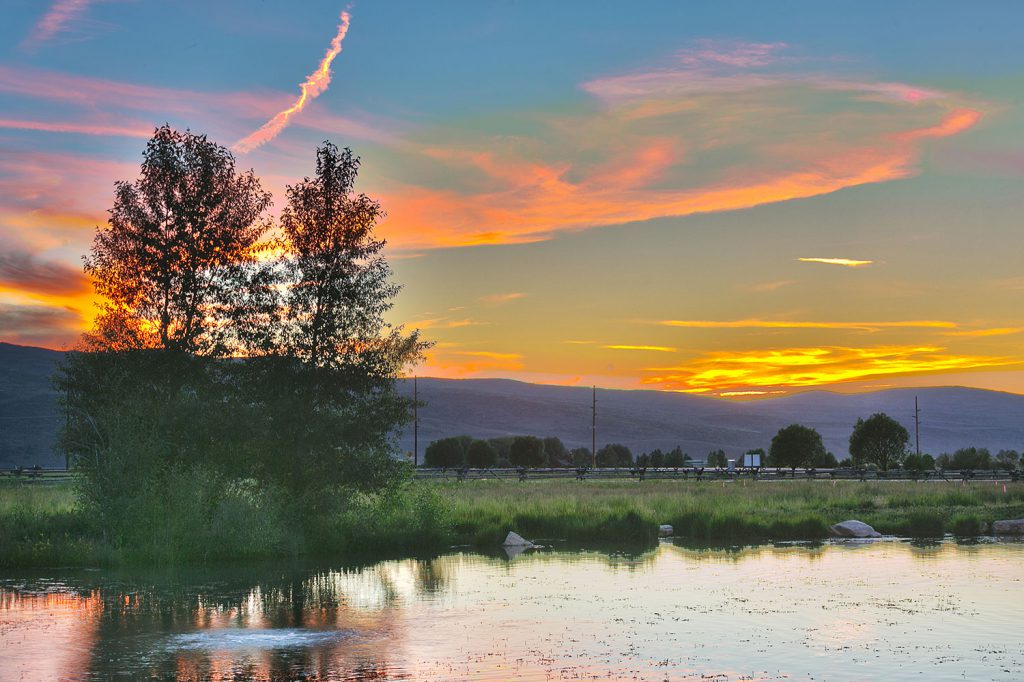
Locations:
{"points": [[56, 21]]}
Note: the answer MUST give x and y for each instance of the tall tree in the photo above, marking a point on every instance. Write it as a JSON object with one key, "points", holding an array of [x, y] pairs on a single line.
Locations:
{"points": [[796, 446], [170, 261], [527, 451], [879, 440], [338, 282]]}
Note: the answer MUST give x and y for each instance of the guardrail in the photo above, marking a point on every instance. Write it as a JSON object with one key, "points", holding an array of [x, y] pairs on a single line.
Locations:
{"points": [[713, 474]]}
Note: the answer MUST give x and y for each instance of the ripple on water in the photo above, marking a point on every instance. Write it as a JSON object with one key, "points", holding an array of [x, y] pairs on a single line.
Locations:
{"points": [[237, 639]]}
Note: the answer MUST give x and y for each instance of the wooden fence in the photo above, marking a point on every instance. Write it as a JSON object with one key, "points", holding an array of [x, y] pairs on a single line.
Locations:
{"points": [[712, 474]]}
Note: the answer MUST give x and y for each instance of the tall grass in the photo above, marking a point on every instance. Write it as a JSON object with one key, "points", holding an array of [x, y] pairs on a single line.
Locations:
{"points": [[44, 525]]}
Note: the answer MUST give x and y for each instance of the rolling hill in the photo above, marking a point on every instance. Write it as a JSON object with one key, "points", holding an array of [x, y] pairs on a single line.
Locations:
{"points": [[642, 420]]}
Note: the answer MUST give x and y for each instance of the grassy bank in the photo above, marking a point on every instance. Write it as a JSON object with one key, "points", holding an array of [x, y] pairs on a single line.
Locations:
{"points": [[483, 511], [42, 525]]}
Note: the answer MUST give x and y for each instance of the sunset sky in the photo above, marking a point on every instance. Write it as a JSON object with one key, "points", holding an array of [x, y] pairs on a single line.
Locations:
{"points": [[735, 199]]}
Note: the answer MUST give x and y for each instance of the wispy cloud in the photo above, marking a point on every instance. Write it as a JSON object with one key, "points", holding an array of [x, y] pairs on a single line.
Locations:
{"points": [[37, 325], [311, 88], [78, 128], [57, 20], [27, 273], [661, 133], [497, 299], [846, 262], [657, 349], [808, 324], [992, 331]]}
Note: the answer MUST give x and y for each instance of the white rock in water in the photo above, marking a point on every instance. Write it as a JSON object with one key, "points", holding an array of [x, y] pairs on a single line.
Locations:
{"points": [[665, 530], [516, 540], [854, 529], [1008, 527]]}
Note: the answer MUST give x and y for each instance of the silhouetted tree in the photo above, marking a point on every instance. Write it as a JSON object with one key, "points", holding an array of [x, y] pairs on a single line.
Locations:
{"points": [[879, 440], [657, 458], [795, 446], [968, 458], [481, 454], [169, 264]]}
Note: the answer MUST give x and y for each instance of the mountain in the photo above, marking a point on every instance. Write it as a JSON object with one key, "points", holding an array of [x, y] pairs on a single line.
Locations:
{"points": [[29, 415], [951, 418], [642, 420]]}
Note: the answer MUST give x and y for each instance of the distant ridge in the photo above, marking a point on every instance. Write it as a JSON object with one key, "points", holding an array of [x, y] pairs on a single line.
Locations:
{"points": [[485, 408]]}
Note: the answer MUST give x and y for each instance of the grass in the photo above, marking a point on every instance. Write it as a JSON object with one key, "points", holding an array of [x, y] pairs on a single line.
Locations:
{"points": [[483, 511], [43, 524]]}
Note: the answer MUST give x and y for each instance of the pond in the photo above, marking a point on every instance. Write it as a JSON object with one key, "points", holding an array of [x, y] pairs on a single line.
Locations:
{"points": [[892, 610]]}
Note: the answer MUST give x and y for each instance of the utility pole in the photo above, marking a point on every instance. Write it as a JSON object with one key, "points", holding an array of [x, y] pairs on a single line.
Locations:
{"points": [[917, 426], [593, 430], [415, 424]]}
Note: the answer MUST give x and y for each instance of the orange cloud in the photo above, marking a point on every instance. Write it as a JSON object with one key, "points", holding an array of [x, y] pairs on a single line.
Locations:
{"points": [[796, 367], [611, 166], [657, 349], [312, 87], [502, 298]]}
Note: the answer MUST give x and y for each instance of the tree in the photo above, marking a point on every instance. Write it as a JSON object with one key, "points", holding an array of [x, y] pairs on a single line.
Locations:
{"points": [[1007, 459], [614, 455], [527, 451], [446, 452], [971, 458], [717, 458], [824, 460], [918, 463], [556, 452], [170, 263], [657, 458], [481, 454], [676, 458], [503, 446], [581, 457], [795, 446], [879, 440]]}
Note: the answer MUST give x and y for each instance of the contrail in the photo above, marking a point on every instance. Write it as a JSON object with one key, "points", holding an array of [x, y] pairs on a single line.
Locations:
{"points": [[314, 84]]}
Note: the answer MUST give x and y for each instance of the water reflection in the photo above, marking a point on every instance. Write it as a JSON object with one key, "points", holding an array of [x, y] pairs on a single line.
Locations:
{"points": [[893, 609]]}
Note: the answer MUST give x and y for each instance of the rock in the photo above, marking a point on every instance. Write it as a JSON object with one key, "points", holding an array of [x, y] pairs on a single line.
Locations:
{"points": [[1008, 527], [664, 530], [854, 529], [516, 540]]}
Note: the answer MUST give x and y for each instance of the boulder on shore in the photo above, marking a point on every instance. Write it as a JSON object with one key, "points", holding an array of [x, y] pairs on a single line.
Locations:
{"points": [[665, 530], [853, 529], [516, 540], [1008, 527]]}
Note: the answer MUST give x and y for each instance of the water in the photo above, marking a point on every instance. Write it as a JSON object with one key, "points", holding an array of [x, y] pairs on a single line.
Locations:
{"points": [[888, 610]]}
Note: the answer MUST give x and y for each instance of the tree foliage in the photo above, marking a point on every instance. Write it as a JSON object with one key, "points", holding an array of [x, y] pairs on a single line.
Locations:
{"points": [[795, 446], [676, 458], [446, 452], [556, 452], [879, 440], [305, 404], [614, 455], [527, 451], [169, 265], [481, 454], [717, 458]]}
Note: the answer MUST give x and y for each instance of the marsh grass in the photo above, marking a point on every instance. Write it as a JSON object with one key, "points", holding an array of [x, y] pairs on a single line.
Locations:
{"points": [[584, 511], [45, 525]]}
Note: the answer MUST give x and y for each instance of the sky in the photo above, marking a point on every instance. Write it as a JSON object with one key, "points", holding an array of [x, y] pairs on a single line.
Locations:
{"points": [[733, 199]]}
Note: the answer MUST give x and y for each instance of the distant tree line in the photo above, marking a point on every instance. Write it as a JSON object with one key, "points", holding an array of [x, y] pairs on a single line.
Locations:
{"points": [[878, 442]]}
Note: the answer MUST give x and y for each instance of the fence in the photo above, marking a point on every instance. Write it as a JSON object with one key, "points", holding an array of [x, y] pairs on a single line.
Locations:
{"points": [[713, 474]]}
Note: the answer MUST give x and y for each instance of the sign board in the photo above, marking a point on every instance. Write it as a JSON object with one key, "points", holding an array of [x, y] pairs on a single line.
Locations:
{"points": [[752, 460]]}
